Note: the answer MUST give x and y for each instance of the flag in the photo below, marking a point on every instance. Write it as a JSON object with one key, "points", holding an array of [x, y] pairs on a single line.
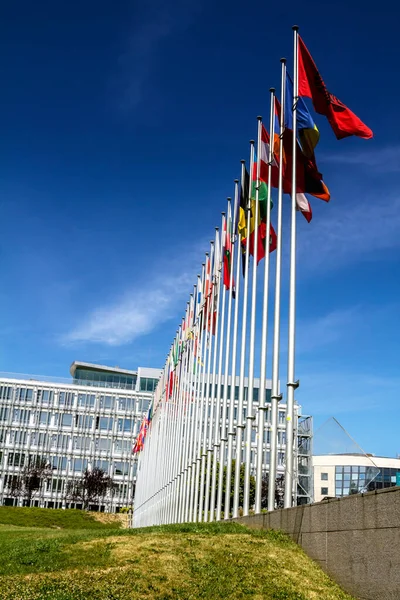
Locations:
{"points": [[139, 442], [306, 128], [227, 242], [240, 218], [304, 206], [308, 178], [262, 213], [311, 85]]}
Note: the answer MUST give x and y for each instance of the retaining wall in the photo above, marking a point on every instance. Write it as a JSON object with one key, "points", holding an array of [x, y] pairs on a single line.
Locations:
{"points": [[355, 539]]}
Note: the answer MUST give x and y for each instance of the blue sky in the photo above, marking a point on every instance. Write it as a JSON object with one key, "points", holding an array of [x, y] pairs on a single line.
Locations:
{"points": [[122, 128]]}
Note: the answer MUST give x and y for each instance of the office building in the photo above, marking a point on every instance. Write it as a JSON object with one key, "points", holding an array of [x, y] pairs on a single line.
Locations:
{"points": [[92, 420], [338, 475]]}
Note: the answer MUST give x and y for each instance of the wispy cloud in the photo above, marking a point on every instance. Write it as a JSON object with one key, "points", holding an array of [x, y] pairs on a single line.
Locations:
{"points": [[135, 314], [351, 232], [379, 160], [157, 297], [156, 22], [322, 331]]}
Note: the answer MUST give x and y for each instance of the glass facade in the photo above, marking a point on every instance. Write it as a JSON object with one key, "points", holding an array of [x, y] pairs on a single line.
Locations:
{"points": [[101, 378], [71, 429], [355, 479]]}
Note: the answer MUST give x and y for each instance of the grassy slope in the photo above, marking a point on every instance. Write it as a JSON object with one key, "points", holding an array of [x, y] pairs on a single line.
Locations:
{"points": [[43, 517], [190, 562]]}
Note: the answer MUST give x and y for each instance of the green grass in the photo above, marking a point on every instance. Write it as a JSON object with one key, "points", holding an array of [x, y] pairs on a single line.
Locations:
{"points": [[183, 562], [43, 517]]}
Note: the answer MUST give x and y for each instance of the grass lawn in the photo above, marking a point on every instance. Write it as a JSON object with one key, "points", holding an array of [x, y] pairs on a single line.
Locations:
{"points": [[210, 561]]}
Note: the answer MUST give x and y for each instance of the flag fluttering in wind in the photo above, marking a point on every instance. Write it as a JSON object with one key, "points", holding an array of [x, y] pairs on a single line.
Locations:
{"points": [[311, 85], [307, 130], [139, 442], [227, 250]]}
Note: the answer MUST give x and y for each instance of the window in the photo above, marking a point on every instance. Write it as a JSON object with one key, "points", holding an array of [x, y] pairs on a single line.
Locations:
{"points": [[281, 417], [24, 394], [5, 392], [107, 402], [84, 421], [44, 417], [106, 423], [66, 399], [66, 420], [324, 491], [45, 396], [324, 476], [4, 414], [86, 400], [126, 404], [121, 468], [103, 444]]}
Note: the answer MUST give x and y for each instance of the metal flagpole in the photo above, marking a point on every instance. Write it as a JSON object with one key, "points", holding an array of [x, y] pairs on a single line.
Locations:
{"points": [[264, 333], [291, 383], [275, 395], [199, 366], [206, 358], [240, 425], [223, 437], [217, 420], [205, 416], [231, 411], [250, 388], [217, 264]]}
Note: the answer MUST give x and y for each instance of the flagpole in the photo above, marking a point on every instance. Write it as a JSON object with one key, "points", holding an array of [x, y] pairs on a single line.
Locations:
{"points": [[199, 353], [231, 411], [213, 399], [250, 388], [207, 391], [223, 437], [264, 334], [202, 380], [240, 425], [275, 395], [217, 418], [291, 383]]}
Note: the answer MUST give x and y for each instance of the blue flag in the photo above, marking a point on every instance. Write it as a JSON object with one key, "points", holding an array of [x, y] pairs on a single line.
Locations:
{"points": [[307, 129]]}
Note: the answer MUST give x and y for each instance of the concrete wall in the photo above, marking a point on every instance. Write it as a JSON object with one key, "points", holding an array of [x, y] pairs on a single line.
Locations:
{"points": [[356, 539]]}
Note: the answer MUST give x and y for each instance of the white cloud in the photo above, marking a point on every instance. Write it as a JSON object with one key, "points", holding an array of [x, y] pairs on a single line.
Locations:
{"points": [[316, 332], [351, 232], [137, 313], [380, 160]]}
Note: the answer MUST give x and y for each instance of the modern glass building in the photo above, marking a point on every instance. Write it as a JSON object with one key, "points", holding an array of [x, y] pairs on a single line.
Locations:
{"points": [[338, 475], [93, 420], [87, 422]]}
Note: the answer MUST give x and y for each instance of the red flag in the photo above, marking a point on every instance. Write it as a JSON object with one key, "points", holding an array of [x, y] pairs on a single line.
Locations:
{"points": [[311, 85]]}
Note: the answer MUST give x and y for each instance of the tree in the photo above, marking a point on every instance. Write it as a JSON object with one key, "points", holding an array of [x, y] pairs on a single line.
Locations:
{"points": [[30, 480], [279, 491], [92, 487], [241, 486]]}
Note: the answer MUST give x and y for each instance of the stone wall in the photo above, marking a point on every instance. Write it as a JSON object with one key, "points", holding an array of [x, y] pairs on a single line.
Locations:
{"points": [[356, 539]]}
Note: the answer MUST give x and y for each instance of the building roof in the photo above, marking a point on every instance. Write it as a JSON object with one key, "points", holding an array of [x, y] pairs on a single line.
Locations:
{"points": [[93, 367], [346, 460]]}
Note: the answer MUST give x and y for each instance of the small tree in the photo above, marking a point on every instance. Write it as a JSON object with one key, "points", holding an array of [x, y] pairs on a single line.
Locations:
{"points": [[92, 487], [30, 480], [279, 491]]}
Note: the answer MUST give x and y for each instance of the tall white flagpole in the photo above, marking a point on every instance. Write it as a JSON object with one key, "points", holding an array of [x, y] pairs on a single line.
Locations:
{"points": [[223, 438], [264, 334], [291, 383], [198, 492], [240, 425], [217, 284], [201, 349], [201, 514], [222, 342], [275, 395], [250, 389], [231, 409]]}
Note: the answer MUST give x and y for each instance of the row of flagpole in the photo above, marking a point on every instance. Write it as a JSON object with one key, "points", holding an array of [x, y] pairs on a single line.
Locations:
{"points": [[204, 424]]}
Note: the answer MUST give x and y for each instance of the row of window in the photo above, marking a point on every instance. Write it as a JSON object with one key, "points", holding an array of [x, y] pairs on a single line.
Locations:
{"points": [[80, 421], [61, 441], [67, 399], [59, 463]]}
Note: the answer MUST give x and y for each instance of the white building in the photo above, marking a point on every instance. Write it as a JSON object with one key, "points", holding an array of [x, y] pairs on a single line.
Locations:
{"points": [[337, 475], [90, 421]]}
